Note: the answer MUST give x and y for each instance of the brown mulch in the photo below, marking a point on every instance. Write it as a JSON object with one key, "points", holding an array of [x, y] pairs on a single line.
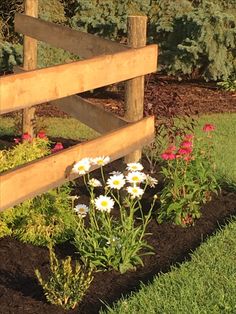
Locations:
{"points": [[162, 96]]}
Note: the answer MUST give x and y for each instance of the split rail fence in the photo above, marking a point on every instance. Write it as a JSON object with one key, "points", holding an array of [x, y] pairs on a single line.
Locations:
{"points": [[106, 62]]}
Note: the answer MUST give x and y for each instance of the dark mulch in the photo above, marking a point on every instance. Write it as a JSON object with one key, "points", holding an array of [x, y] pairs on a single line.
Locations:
{"points": [[19, 290]]}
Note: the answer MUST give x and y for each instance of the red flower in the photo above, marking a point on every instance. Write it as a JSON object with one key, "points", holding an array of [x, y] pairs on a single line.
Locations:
{"points": [[57, 147], [42, 135], [168, 156], [26, 137], [208, 128], [186, 144], [185, 151]]}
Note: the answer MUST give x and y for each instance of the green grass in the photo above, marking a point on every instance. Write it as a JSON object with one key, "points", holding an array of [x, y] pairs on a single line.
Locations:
{"points": [[55, 127], [224, 143], [206, 284]]}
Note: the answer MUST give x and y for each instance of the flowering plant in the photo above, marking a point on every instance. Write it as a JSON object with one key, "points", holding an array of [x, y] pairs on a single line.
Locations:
{"points": [[112, 237], [188, 171]]}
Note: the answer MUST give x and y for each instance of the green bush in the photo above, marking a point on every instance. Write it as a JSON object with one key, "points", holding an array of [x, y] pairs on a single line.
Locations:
{"points": [[43, 220]]}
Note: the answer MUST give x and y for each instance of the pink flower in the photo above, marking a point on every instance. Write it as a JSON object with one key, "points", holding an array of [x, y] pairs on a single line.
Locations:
{"points": [[186, 144], [187, 158], [57, 147], [185, 151], [42, 135], [208, 128], [168, 156], [188, 137], [26, 137], [17, 140], [171, 148]]}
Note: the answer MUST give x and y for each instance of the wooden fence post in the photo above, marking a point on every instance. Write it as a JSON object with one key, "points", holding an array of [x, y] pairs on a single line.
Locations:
{"points": [[29, 63], [134, 88]]}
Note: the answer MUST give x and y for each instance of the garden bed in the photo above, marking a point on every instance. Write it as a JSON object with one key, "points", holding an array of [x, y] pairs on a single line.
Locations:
{"points": [[21, 293]]}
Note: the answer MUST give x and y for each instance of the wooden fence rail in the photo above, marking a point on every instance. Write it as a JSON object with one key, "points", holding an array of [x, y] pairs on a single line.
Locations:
{"points": [[38, 86], [109, 63], [39, 176]]}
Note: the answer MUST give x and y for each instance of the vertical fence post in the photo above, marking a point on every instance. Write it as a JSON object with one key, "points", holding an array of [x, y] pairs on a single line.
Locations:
{"points": [[134, 88], [29, 63]]}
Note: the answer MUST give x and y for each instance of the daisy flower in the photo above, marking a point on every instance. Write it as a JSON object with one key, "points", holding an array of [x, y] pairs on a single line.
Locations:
{"points": [[81, 210], [94, 183], [104, 203], [116, 181], [135, 191], [115, 173], [151, 181], [101, 161], [135, 177], [82, 166], [135, 166]]}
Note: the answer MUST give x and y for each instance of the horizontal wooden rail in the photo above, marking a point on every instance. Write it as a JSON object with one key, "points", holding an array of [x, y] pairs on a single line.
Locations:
{"points": [[39, 86], [86, 112], [80, 43], [39, 176], [90, 114]]}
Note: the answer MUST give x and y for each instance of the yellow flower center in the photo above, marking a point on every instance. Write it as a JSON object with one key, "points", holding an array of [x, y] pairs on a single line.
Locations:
{"points": [[81, 167], [135, 178], [116, 182], [104, 203]]}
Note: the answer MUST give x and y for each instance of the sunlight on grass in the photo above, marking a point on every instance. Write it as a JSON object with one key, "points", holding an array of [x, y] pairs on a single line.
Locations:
{"points": [[206, 284], [224, 143]]}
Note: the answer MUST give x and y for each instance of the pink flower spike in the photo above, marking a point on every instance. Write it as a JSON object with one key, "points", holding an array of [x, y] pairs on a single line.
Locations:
{"points": [[42, 135], [57, 147], [171, 156], [208, 128], [171, 148], [26, 137]]}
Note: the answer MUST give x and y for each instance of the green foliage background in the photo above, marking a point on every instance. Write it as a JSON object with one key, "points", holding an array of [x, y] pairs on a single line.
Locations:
{"points": [[197, 38]]}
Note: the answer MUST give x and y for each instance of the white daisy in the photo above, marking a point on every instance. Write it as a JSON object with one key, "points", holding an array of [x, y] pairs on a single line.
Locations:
{"points": [[94, 183], [82, 166], [104, 203], [115, 173], [101, 161], [135, 191], [81, 210], [135, 166], [135, 177], [116, 181], [151, 181]]}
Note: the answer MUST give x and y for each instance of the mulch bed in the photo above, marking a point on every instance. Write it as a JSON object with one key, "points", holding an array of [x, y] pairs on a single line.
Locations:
{"points": [[19, 290]]}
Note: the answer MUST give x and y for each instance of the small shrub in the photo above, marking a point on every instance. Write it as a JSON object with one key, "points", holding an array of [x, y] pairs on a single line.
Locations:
{"points": [[113, 240], [43, 220], [66, 285], [189, 175], [229, 85], [26, 150]]}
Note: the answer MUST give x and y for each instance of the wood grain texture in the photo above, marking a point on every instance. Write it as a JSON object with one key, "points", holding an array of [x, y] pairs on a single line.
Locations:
{"points": [[29, 63], [80, 43], [39, 176], [23, 90], [134, 88], [86, 112]]}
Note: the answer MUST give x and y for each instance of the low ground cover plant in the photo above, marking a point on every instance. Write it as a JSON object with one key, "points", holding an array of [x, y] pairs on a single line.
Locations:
{"points": [[66, 284], [113, 237], [188, 171]]}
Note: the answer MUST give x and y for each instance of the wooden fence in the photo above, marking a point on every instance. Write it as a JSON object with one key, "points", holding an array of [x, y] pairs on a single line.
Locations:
{"points": [[108, 62]]}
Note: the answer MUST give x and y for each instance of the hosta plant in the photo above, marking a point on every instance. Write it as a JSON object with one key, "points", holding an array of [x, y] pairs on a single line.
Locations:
{"points": [[109, 234], [188, 172], [66, 285]]}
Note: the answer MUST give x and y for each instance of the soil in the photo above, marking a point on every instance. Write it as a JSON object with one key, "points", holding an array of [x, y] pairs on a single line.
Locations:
{"points": [[19, 290]]}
